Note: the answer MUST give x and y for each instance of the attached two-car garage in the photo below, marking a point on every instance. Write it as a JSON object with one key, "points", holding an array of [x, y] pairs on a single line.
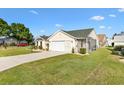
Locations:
{"points": [[65, 46], [60, 41], [57, 46]]}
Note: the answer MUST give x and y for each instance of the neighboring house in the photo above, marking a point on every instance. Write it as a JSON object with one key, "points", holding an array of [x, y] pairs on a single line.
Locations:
{"points": [[8, 40], [42, 42], [102, 40], [67, 40], [109, 42], [2, 38], [118, 39]]}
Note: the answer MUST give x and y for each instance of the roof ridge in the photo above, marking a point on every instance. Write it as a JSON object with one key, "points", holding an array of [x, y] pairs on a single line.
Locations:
{"points": [[76, 29]]}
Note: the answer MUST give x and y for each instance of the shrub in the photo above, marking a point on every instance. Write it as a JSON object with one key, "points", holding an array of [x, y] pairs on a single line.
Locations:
{"points": [[5, 45], [83, 50], [122, 52], [40, 47], [115, 52], [72, 50], [34, 47], [118, 48], [12, 44], [47, 49]]}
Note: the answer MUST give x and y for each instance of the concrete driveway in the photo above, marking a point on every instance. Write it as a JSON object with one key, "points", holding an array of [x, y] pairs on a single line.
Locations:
{"points": [[12, 61]]}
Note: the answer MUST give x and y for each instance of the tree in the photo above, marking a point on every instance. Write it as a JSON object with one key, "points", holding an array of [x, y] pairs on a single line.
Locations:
{"points": [[17, 30], [21, 32], [4, 28]]}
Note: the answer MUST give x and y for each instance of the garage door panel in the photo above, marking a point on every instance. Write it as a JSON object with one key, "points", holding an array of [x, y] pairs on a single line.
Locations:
{"points": [[57, 46], [65, 46]]}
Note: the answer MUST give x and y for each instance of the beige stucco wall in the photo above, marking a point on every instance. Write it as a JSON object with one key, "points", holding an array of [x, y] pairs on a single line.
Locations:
{"points": [[44, 44], [94, 36]]}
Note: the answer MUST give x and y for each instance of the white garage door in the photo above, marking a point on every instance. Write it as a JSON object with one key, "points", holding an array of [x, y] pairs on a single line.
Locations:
{"points": [[64, 46]]}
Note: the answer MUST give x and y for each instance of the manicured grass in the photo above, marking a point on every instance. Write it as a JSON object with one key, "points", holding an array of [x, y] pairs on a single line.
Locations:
{"points": [[97, 68], [10, 51]]}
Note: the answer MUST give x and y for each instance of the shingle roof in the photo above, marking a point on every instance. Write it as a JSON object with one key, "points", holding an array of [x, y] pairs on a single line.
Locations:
{"points": [[79, 33], [43, 37]]}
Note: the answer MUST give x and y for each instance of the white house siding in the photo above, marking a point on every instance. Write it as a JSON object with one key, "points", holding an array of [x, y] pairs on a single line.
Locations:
{"points": [[42, 43], [118, 43], [62, 37], [39, 43], [118, 40]]}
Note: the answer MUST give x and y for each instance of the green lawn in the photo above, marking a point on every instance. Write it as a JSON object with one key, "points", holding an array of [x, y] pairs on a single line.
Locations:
{"points": [[10, 51], [100, 67]]}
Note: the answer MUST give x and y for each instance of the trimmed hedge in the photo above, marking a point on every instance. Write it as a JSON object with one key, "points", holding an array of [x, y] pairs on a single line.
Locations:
{"points": [[83, 50], [115, 52], [40, 47], [122, 52], [118, 48]]}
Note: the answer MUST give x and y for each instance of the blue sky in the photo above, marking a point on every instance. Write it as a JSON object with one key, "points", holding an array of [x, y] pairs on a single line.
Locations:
{"points": [[45, 21]]}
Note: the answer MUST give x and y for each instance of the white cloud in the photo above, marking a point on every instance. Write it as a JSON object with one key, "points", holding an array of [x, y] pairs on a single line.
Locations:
{"points": [[58, 25], [102, 27], [34, 12], [105, 27], [112, 15], [121, 10], [42, 31], [109, 27], [97, 18]]}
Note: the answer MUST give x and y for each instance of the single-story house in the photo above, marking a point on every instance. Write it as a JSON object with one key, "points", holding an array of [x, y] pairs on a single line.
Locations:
{"points": [[75, 39], [102, 40], [118, 39], [42, 42], [8, 40]]}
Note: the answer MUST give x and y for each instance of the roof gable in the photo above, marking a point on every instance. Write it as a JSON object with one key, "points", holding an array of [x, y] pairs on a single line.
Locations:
{"points": [[61, 31], [80, 33]]}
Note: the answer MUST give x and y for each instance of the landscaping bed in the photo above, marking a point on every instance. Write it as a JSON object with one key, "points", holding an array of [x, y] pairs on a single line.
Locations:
{"points": [[118, 50]]}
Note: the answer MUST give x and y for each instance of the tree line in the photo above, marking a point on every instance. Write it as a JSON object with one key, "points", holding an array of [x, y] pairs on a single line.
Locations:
{"points": [[16, 30]]}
